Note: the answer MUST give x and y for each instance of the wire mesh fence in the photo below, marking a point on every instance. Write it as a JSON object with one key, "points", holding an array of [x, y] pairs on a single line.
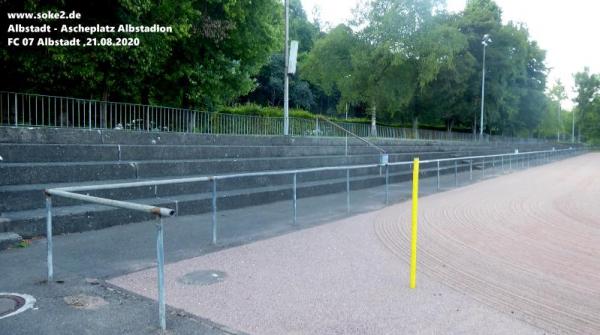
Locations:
{"points": [[35, 110]]}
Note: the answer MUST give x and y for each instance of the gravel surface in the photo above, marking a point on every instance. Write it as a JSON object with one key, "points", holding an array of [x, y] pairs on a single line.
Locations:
{"points": [[526, 244], [511, 255]]}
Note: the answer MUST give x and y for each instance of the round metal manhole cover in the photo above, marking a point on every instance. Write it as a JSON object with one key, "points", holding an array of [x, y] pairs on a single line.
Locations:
{"points": [[13, 303], [202, 277]]}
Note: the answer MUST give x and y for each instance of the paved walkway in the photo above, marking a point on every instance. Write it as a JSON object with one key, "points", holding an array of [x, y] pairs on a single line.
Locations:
{"points": [[510, 255]]}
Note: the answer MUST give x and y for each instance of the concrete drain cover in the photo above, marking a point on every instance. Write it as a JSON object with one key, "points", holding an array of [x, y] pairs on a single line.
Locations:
{"points": [[83, 301], [14, 303], [202, 277]]}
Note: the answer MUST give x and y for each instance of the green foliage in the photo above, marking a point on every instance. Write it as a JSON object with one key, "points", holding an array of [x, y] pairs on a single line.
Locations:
{"points": [[257, 110], [269, 90], [404, 61], [211, 58], [587, 112]]}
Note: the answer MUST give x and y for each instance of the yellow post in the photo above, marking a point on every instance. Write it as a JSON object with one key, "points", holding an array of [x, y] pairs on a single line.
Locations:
{"points": [[415, 208]]}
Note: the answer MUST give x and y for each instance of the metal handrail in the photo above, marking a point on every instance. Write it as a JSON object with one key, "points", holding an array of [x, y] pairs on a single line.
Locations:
{"points": [[38, 110], [381, 150], [165, 212], [492, 156], [273, 173], [160, 212]]}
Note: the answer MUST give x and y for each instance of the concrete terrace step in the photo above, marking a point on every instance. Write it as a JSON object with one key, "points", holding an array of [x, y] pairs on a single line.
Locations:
{"points": [[78, 217], [36, 159], [55, 172], [107, 136], [30, 196], [82, 217], [22, 153]]}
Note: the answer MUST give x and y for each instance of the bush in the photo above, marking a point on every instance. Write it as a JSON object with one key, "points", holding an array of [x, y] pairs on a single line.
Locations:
{"points": [[269, 111]]}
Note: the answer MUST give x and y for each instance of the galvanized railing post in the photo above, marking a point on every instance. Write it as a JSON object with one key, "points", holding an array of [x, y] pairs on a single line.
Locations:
{"points": [[387, 177], [346, 151], [438, 174], [49, 237], [348, 191], [471, 169], [295, 201], [214, 210], [483, 167], [455, 173], [502, 163], [160, 259]]}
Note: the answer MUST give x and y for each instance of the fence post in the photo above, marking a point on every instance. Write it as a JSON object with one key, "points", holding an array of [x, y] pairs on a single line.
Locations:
{"points": [[483, 167], [16, 113], [415, 209], [346, 145], [348, 191], [471, 169], [295, 202], [160, 259], [387, 197], [438, 175], [90, 115], [214, 210], [455, 173], [49, 237]]}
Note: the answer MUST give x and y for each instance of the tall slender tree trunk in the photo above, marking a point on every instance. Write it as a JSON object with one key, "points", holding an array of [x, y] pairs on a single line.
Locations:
{"points": [[415, 127], [475, 127], [374, 121], [450, 125]]}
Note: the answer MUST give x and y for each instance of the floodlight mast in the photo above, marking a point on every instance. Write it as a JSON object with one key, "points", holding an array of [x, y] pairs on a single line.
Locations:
{"points": [[286, 83], [485, 42]]}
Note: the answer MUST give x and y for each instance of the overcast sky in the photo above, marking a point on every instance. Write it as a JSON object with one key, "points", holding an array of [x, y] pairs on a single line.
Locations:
{"points": [[567, 30]]}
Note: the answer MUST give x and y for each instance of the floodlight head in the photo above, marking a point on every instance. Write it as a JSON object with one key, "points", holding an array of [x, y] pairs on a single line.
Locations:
{"points": [[486, 40]]}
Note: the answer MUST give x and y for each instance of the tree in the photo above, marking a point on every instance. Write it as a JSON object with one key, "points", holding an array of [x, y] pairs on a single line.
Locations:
{"points": [[210, 58], [587, 86], [556, 95], [269, 90], [269, 82], [420, 44], [343, 62]]}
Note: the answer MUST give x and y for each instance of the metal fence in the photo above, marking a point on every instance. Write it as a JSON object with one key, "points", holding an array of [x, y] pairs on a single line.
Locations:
{"points": [[432, 167], [35, 110]]}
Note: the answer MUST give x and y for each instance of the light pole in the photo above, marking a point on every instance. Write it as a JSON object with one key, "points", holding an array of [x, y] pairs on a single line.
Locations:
{"points": [[485, 41], [573, 126], [559, 124], [286, 82]]}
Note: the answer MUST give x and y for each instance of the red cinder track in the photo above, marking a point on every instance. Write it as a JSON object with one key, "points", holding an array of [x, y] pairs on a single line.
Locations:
{"points": [[527, 243]]}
